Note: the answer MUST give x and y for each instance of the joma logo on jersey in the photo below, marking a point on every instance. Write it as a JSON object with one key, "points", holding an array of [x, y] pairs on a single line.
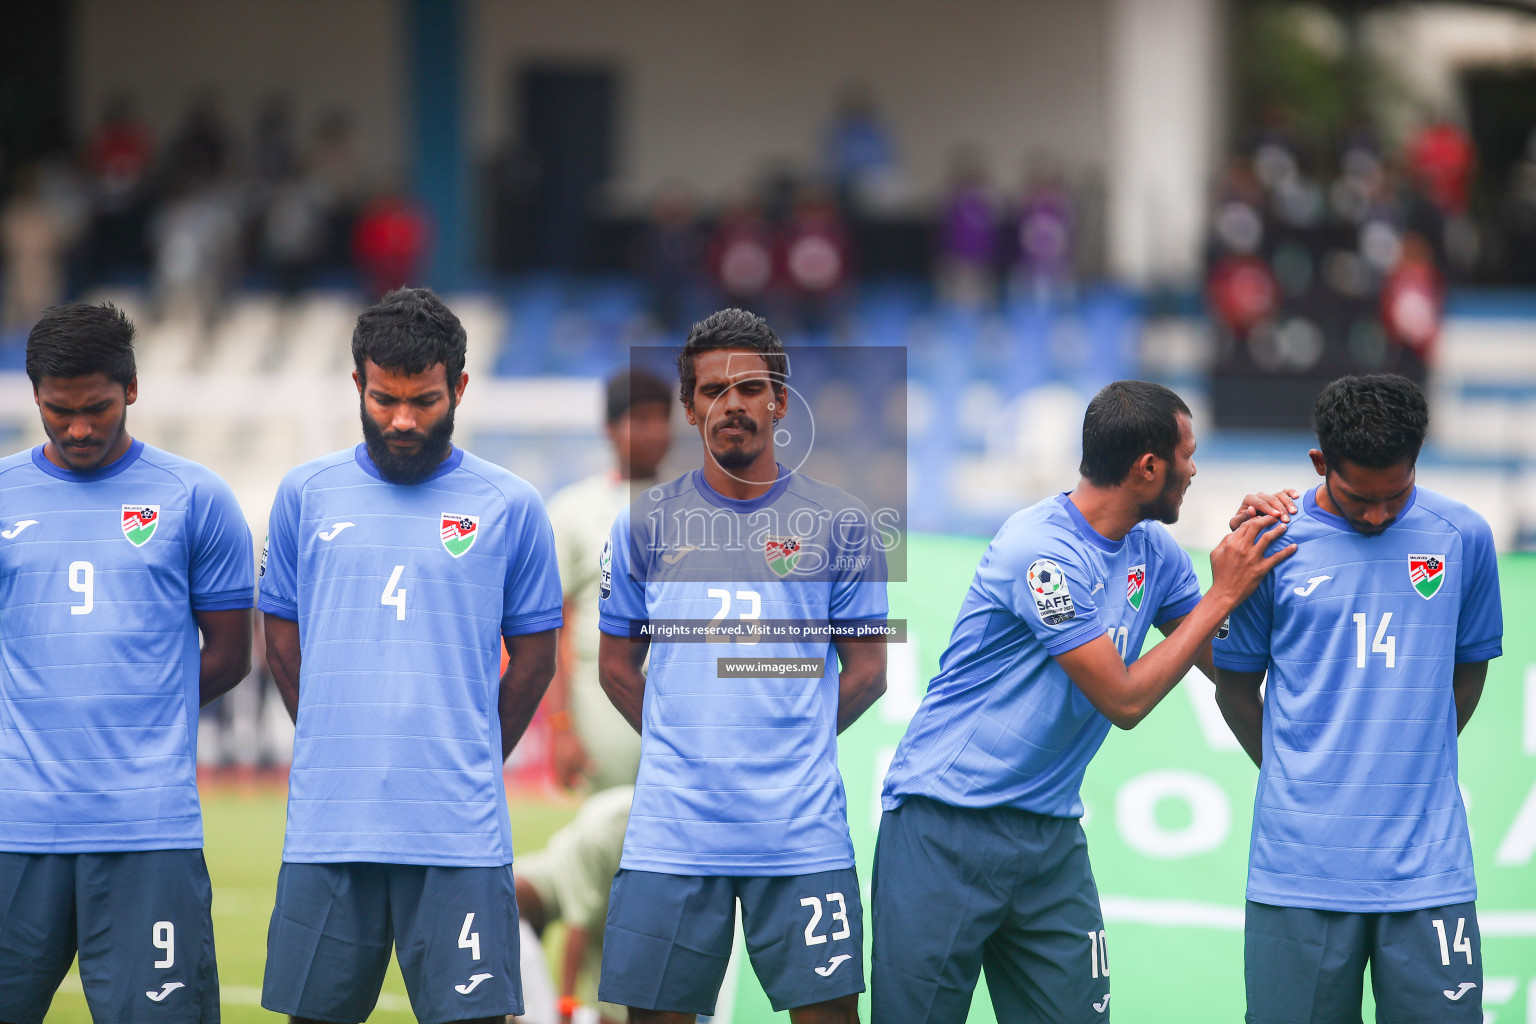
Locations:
{"points": [[781, 554], [459, 532], [140, 523], [1426, 573], [1135, 585]]}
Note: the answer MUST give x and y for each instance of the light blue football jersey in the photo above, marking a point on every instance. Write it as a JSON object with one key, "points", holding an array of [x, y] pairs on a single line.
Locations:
{"points": [[1358, 807], [402, 595], [1002, 725], [100, 574], [738, 775]]}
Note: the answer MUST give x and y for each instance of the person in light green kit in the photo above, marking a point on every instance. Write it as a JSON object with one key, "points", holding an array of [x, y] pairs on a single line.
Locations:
{"points": [[589, 739]]}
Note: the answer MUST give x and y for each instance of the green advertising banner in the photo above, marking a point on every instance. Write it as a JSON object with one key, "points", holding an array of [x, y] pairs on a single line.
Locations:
{"points": [[1169, 807]]}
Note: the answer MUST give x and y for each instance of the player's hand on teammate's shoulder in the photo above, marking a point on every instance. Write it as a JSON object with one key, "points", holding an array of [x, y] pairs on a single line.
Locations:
{"points": [[1238, 563], [1281, 505]]}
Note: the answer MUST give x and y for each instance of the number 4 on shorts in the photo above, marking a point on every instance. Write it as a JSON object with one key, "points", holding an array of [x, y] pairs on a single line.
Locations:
{"points": [[469, 940]]}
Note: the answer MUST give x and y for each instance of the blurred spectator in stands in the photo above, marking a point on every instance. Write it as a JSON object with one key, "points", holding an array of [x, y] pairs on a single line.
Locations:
{"points": [[294, 229], [741, 253], [119, 155], [1239, 287], [33, 238], [815, 259], [119, 160], [196, 237], [1518, 218], [390, 243], [968, 234], [1440, 159], [1413, 306], [1042, 235], [274, 155], [671, 256], [200, 151], [335, 163], [859, 151]]}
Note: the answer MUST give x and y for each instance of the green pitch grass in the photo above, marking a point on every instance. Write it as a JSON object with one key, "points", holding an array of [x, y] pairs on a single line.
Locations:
{"points": [[244, 843]]}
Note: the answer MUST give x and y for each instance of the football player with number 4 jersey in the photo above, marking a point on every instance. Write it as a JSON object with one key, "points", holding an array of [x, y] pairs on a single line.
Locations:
{"points": [[115, 557], [1375, 639], [394, 573], [981, 861], [739, 796]]}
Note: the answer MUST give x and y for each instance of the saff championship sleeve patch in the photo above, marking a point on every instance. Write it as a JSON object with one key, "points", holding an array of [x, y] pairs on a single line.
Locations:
{"points": [[1053, 598]]}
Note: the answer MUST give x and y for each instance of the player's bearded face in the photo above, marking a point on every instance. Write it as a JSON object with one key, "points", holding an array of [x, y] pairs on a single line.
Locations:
{"points": [[1165, 507], [407, 423], [734, 407]]}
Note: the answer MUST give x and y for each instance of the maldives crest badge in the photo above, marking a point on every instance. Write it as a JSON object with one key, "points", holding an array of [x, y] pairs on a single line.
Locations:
{"points": [[781, 554], [1135, 585], [1426, 573], [140, 523], [459, 532]]}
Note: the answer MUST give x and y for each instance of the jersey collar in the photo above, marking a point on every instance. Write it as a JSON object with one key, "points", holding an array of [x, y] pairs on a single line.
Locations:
{"points": [[1310, 506], [106, 472], [763, 500], [1087, 532], [451, 463]]}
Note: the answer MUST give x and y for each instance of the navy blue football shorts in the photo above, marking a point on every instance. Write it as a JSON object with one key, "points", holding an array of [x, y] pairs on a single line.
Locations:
{"points": [[668, 938], [961, 890], [1304, 966], [140, 921], [454, 931]]}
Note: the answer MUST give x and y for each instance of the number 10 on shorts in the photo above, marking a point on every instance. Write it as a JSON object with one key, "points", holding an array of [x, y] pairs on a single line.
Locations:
{"points": [[1098, 952]]}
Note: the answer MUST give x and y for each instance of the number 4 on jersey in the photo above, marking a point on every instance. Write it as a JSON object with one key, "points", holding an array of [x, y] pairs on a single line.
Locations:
{"points": [[394, 594]]}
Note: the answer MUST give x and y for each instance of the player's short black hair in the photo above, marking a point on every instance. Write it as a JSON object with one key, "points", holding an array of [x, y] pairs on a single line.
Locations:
{"points": [[633, 387], [1374, 421], [1124, 421], [78, 339], [731, 328], [408, 331]]}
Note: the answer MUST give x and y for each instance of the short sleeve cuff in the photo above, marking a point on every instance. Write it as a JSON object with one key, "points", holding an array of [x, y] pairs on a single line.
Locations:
{"points": [[224, 600], [282, 608], [1073, 639], [621, 627], [539, 622], [1179, 610], [1482, 652], [1239, 662]]}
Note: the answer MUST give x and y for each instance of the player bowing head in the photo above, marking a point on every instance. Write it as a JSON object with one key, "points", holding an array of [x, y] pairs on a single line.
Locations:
{"points": [[408, 353], [738, 795], [981, 857], [1372, 646], [126, 579], [1369, 432], [80, 361]]}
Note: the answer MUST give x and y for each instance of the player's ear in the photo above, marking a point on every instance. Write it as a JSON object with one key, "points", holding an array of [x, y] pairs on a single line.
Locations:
{"points": [[458, 390], [357, 379], [131, 391], [1318, 462]]}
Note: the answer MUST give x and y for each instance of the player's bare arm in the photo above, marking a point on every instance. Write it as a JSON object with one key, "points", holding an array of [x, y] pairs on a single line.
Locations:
{"points": [[1467, 684], [860, 679], [1237, 694], [1126, 696], [283, 658], [618, 669], [226, 657], [530, 665]]}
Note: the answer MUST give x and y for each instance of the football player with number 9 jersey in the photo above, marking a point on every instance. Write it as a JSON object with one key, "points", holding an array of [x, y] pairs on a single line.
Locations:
{"points": [[1375, 639], [115, 558]]}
